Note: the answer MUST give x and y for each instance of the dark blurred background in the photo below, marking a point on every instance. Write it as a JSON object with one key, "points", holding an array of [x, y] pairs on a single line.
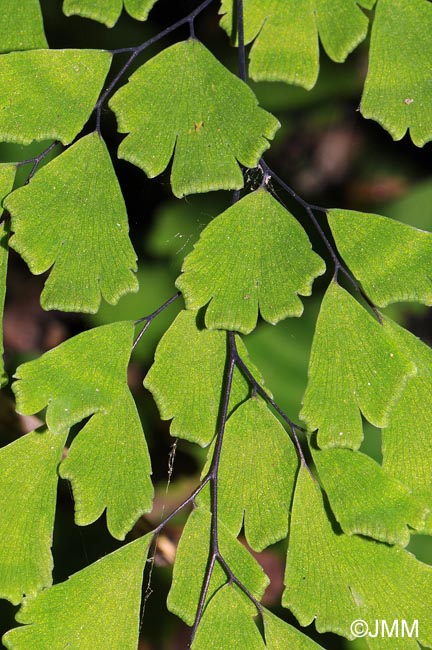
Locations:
{"points": [[332, 157]]}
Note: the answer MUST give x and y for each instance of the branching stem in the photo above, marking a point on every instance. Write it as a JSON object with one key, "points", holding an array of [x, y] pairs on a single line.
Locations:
{"points": [[267, 171], [214, 554], [212, 477], [149, 319], [186, 502], [135, 51], [257, 388], [233, 360], [310, 208], [36, 161]]}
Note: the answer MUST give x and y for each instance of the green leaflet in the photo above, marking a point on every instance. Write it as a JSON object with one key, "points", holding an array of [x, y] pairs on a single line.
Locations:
{"points": [[398, 90], [139, 9], [365, 499], [72, 217], [63, 85], [95, 609], [104, 11], [228, 623], [363, 579], [392, 260], [186, 378], [60, 379], [207, 131], [261, 487], [109, 464], [108, 11], [354, 368], [286, 31], [407, 442], [109, 467], [28, 492], [7, 177], [21, 26], [282, 636], [191, 562], [255, 255]]}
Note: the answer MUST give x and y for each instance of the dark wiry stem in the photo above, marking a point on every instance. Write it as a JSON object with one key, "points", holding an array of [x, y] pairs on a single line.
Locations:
{"points": [[214, 554], [186, 502], [260, 390], [36, 161], [149, 319], [212, 476], [108, 90], [358, 288], [135, 51], [183, 21], [232, 579], [305, 204], [310, 208], [192, 28]]}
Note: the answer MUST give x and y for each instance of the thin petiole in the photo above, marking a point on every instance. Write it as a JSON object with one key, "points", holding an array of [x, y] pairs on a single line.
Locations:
{"points": [[214, 553], [36, 161], [186, 502], [257, 388], [149, 319], [135, 51], [310, 208]]}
